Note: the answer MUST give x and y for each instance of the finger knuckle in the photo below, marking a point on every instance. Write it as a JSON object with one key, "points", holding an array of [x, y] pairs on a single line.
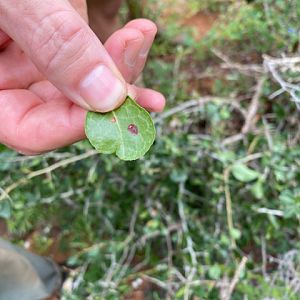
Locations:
{"points": [[59, 38]]}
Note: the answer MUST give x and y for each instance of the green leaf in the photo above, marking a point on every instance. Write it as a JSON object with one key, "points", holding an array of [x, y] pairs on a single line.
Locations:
{"points": [[243, 173], [5, 159], [180, 293], [178, 176], [5, 209], [127, 131], [214, 272], [258, 189], [235, 233]]}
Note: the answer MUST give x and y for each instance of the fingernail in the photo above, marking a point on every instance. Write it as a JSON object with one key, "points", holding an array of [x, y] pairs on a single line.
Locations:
{"points": [[102, 90], [146, 47], [132, 52], [130, 57]]}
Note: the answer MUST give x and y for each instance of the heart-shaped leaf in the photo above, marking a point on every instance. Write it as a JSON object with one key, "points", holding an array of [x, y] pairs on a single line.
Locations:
{"points": [[127, 131]]}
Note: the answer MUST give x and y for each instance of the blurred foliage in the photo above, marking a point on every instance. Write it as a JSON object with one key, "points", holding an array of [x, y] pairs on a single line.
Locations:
{"points": [[265, 26], [176, 224]]}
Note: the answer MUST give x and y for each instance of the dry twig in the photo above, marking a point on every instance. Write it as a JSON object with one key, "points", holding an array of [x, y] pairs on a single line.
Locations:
{"points": [[278, 67], [253, 108], [228, 288], [6, 191], [236, 276], [249, 69]]}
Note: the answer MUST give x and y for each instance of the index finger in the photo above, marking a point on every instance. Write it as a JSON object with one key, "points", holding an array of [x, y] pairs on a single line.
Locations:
{"points": [[65, 50]]}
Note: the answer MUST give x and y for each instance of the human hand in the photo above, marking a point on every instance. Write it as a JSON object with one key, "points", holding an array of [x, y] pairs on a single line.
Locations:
{"points": [[35, 116]]}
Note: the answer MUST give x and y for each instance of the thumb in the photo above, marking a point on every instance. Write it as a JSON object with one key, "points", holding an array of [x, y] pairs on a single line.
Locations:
{"points": [[65, 50]]}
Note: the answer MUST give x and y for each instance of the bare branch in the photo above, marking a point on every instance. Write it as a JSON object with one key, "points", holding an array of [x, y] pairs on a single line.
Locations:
{"points": [[5, 192], [252, 111], [228, 288], [249, 69], [278, 67]]}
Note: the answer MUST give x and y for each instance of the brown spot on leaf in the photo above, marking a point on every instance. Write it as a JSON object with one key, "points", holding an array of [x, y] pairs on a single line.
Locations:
{"points": [[113, 120], [132, 128]]}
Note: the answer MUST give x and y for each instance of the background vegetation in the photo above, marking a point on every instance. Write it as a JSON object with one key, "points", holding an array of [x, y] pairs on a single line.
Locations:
{"points": [[213, 211]]}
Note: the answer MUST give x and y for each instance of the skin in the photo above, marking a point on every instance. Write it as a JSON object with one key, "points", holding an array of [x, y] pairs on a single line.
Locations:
{"points": [[40, 109]]}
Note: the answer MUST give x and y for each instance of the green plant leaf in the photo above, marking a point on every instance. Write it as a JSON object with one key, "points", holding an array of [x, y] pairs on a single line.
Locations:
{"points": [[214, 272], [258, 189], [235, 233], [243, 173], [127, 131], [5, 209]]}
